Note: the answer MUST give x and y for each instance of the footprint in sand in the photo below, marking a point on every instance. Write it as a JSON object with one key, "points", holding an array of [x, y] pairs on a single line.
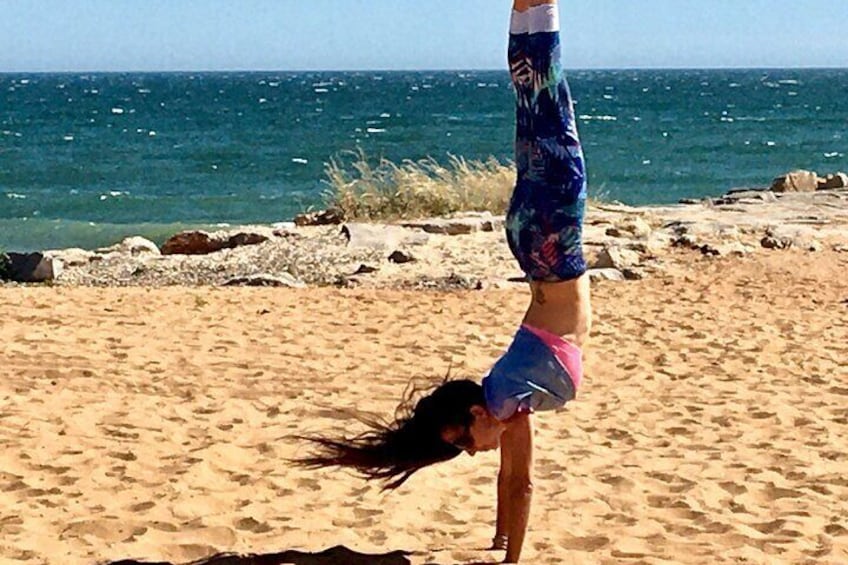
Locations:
{"points": [[249, 524], [588, 544]]}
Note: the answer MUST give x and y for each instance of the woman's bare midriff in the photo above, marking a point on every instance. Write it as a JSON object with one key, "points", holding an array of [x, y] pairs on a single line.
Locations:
{"points": [[562, 308]]}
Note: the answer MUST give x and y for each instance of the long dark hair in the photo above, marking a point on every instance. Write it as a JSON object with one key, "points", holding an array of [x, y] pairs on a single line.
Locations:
{"points": [[393, 451]]}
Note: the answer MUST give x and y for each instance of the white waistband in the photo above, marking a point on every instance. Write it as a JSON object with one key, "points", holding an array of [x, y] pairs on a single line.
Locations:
{"points": [[542, 18]]}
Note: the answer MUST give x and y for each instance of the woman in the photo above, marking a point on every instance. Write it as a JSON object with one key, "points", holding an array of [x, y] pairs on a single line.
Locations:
{"points": [[542, 368]]}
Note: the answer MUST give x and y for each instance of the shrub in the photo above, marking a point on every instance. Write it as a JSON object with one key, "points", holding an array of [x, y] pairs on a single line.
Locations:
{"points": [[416, 189]]}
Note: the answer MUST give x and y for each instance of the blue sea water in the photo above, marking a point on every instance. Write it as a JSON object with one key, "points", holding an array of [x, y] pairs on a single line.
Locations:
{"points": [[86, 159]]}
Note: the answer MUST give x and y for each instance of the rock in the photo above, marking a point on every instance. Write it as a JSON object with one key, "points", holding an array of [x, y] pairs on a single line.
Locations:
{"points": [[630, 226], [400, 257], [771, 242], [132, 246], [203, 243], [283, 280], [284, 229], [73, 256], [733, 249], [32, 267], [796, 181], [616, 257], [633, 274], [783, 237], [365, 270], [381, 237], [457, 226], [689, 201], [838, 180], [320, 218], [606, 275], [746, 196]]}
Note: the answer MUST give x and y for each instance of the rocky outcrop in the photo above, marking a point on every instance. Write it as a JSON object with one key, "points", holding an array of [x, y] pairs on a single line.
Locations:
{"points": [[620, 242]]}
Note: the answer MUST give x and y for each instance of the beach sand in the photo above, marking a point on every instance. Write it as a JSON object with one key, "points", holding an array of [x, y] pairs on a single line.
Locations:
{"points": [[153, 423]]}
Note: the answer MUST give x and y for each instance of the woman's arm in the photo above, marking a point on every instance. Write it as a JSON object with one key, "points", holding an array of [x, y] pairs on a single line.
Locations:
{"points": [[515, 483]]}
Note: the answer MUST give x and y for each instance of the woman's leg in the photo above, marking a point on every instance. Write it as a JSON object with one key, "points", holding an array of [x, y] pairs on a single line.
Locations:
{"points": [[544, 224]]}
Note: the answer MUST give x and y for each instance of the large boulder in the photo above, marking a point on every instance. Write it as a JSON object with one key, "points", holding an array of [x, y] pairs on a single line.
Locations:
{"points": [[202, 243], [796, 181]]}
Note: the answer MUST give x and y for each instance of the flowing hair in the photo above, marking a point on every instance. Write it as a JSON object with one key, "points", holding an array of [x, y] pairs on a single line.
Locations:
{"points": [[393, 451]]}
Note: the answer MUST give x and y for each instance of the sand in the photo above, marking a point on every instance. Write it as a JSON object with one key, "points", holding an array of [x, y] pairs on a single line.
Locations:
{"points": [[153, 423]]}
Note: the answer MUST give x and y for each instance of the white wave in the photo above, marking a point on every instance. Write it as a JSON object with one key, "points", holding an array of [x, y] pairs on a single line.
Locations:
{"points": [[734, 85], [789, 81], [151, 133], [321, 90], [118, 111], [68, 138], [385, 115], [599, 118], [375, 130], [646, 161], [144, 91], [833, 154], [113, 194], [300, 161], [608, 97], [15, 196], [770, 143]]}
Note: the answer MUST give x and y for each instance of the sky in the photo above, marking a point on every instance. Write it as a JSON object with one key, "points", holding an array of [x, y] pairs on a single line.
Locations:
{"points": [[279, 35]]}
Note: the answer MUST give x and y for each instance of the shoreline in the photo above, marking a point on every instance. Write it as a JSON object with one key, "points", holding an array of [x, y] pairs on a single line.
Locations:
{"points": [[467, 251]]}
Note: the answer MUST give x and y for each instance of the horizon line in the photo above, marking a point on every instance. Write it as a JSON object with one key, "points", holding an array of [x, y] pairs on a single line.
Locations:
{"points": [[423, 70]]}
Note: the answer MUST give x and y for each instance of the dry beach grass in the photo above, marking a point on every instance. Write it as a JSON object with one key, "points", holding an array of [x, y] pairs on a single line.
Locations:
{"points": [[153, 423]]}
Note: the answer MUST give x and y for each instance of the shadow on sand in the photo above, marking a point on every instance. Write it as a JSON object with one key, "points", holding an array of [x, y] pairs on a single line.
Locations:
{"points": [[338, 555]]}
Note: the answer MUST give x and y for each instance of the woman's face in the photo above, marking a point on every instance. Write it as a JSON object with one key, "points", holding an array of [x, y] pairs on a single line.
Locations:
{"points": [[484, 433]]}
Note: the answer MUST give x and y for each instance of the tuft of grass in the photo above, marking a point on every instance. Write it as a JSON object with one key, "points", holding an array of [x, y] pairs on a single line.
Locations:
{"points": [[386, 191]]}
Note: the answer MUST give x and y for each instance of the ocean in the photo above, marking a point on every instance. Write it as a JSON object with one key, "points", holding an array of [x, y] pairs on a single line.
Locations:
{"points": [[86, 159]]}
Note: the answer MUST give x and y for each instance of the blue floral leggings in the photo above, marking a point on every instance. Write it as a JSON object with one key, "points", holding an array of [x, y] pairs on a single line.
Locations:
{"points": [[545, 219]]}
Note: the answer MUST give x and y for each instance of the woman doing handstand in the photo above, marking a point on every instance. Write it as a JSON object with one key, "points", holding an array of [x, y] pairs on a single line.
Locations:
{"points": [[542, 368]]}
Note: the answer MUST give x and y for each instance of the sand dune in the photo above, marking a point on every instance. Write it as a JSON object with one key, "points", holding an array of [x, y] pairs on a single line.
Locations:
{"points": [[154, 424]]}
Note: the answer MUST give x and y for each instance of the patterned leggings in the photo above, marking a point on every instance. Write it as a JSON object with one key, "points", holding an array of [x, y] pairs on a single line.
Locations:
{"points": [[545, 218]]}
